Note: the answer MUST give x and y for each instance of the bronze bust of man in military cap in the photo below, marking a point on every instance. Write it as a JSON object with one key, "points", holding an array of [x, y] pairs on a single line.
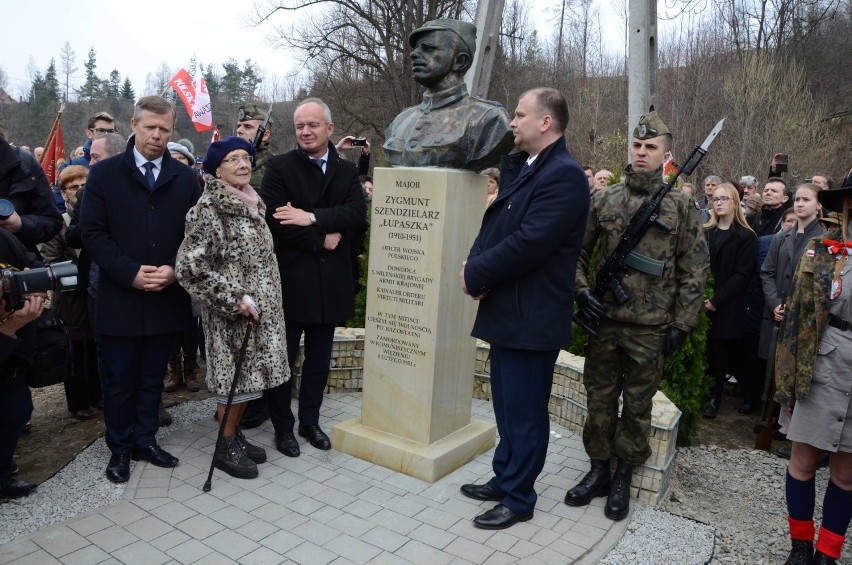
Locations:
{"points": [[449, 128]]}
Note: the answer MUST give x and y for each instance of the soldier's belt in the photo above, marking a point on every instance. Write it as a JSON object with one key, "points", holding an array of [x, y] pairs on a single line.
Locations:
{"points": [[645, 264]]}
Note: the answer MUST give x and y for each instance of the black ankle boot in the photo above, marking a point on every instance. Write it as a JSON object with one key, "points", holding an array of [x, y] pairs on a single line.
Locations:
{"points": [[821, 558], [231, 458], [802, 553], [618, 501], [595, 483]]}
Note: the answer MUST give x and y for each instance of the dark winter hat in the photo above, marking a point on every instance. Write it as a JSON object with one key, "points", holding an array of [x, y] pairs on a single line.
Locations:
{"points": [[252, 112], [465, 30], [181, 148], [218, 150], [650, 125], [833, 199]]}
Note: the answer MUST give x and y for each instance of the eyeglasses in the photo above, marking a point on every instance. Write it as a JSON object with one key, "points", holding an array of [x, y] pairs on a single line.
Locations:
{"points": [[102, 131], [720, 199], [74, 187], [236, 160]]}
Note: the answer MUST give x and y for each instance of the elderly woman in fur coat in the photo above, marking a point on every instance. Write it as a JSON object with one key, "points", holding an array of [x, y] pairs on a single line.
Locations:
{"points": [[226, 263]]}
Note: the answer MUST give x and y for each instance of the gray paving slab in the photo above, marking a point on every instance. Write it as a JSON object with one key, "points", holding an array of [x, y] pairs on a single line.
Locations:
{"points": [[321, 508]]}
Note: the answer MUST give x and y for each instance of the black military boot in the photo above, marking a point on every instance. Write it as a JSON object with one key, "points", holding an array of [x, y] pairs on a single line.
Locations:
{"points": [[595, 483], [257, 412], [253, 452], [618, 502], [821, 558], [231, 458], [802, 553]]}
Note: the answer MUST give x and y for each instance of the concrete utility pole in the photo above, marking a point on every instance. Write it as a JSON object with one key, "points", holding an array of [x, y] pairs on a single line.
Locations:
{"points": [[489, 15], [641, 61]]}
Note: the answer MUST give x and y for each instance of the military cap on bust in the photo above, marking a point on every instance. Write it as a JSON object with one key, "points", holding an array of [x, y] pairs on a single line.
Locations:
{"points": [[650, 125], [252, 112], [465, 30]]}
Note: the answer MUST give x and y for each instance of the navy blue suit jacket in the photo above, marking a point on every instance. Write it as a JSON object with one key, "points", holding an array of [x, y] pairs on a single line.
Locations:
{"points": [[526, 252], [124, 226]]}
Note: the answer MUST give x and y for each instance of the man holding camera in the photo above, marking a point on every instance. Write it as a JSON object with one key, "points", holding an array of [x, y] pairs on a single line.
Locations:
{"points": [[17, 339], [132, 223]]}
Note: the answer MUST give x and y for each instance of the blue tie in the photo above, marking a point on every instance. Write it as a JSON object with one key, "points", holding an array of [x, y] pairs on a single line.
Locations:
{"points": [[149, 174], [524, 169], [319, 163]]}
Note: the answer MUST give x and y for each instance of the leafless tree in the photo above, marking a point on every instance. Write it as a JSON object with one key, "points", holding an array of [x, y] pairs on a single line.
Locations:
{"points": [[67, 68]]}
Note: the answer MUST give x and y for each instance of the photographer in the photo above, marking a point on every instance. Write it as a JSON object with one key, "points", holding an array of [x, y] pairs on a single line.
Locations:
{"points": [[17, 338]]}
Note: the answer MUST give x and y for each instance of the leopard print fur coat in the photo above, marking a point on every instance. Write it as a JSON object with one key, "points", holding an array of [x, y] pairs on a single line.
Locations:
{"points": [[227, 253]]}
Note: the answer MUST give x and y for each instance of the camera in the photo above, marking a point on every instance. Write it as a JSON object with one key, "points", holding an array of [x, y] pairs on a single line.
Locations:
{"points": [[18, 284], [359, 142], [781, 162]]}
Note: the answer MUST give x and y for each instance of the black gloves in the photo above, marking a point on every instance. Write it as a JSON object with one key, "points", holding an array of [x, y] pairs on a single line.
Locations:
{"points": [[674, 339], [590, 307]]}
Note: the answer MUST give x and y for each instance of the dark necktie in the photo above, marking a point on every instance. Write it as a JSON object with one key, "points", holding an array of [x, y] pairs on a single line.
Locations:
{"points": [[149, 174], [524, 169], [319, 163]]}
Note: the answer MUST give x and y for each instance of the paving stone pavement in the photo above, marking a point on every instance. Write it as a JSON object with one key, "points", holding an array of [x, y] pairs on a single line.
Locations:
{"points": [[324, 507]]}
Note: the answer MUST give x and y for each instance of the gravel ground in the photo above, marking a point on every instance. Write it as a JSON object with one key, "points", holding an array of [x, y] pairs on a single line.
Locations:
{"points": [[80, 486], [724, 505]]}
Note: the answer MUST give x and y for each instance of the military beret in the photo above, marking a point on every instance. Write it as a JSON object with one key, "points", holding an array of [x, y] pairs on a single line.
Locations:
{"points": [[252, 112], [465, 30], [650, 125]]}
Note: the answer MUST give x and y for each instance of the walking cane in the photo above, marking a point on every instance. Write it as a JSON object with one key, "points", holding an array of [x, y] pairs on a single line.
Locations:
{"points": [[242, 356]]}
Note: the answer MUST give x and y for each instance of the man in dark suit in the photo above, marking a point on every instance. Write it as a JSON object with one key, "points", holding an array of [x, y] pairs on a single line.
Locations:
{"points": [[313, 202], [521, 270], [132, 223]]}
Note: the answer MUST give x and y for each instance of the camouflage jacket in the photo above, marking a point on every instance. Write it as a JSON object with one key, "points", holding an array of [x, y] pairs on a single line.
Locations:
{"points": [[805, 320], [675, 298], [263, 155]]}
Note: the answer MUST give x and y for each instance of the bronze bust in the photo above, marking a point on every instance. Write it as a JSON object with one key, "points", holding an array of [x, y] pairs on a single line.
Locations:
{"points": [[449, 128]]}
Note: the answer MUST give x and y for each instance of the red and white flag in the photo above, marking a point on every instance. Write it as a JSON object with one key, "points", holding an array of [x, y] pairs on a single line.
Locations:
{"points": [[217, 135], [54, 151], [196, 99]]}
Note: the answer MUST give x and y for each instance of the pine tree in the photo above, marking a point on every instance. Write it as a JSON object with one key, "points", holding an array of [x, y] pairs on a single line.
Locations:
{"points": [[113, 85], [91, 89], [127, 92]]}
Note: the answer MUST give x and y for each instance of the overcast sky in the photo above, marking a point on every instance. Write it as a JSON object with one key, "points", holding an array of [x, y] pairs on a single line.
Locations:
{"points": [[133, 37]]}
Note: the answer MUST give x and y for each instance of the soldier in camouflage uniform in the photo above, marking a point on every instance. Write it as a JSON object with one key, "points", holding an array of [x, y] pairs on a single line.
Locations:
{"points": [[626, 357], [249, 119]]}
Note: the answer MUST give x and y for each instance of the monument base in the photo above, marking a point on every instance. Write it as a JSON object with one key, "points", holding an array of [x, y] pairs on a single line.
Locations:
{"points": [[425, 462]]}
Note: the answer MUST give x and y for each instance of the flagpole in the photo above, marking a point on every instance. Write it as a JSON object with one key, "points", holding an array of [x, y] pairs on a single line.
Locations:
{"points": [[52, 132]]}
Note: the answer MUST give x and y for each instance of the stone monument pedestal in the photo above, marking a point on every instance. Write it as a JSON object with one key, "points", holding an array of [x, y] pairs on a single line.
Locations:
{"points": [[419, 356]]}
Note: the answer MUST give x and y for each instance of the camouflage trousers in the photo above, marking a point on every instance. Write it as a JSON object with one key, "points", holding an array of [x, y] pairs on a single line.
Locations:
{"points": [[623, 359]]}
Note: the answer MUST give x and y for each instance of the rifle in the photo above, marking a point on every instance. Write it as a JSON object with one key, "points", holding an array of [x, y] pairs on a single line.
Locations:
{"points": [[763, 441], [624, 256], [261, 129]]}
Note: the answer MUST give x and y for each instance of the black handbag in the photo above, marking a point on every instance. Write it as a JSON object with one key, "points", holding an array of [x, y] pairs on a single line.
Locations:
{"points": [[52, 352]]}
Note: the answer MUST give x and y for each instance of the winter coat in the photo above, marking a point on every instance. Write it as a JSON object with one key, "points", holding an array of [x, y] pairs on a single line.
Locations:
{"points": [[227, 253], [317, 283], [526, 252], [776, 274], [805, 321], [72, 305], [23, 183], [732, 265]]}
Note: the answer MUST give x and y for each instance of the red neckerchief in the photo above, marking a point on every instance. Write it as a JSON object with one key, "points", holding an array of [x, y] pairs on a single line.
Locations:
{"points": [[835, 247]]}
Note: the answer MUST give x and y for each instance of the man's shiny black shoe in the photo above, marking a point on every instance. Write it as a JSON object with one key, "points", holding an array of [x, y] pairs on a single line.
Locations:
{"points": [[596, 483], [118, 468], [481, 492], [154, 455], [316, 436], [257, 412], [286, 443], [499, 518], [10, 488]]}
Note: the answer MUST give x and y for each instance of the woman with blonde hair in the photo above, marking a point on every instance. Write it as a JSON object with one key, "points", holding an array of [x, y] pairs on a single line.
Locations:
{"points": [[733, 246]]}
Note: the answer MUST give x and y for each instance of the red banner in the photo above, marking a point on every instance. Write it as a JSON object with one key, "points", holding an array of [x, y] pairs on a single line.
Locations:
{"points": [[196, 99], [54, 151]]}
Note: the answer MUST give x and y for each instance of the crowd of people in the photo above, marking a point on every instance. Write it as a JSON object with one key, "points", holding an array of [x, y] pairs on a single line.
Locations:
{"points": [[175, 262]]}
